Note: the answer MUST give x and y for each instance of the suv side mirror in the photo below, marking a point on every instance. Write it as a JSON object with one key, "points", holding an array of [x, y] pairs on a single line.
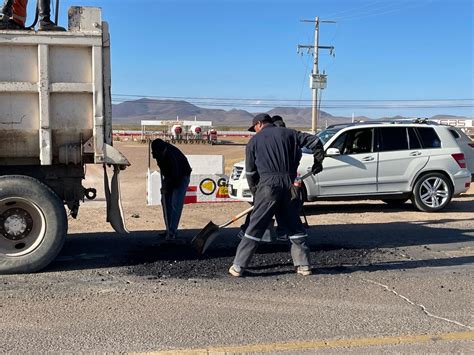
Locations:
{"points": [[332, 152]]}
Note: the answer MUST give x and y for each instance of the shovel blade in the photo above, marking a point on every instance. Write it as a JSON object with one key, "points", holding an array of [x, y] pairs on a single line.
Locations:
{"points": [[205, 237]]}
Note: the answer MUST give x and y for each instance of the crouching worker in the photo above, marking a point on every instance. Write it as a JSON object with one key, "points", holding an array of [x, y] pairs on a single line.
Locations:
{"points": [[175, 172], [271, 161]]}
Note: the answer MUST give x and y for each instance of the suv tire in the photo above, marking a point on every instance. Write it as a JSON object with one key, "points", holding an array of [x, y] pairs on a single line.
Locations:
{"points": [[432, 192]]}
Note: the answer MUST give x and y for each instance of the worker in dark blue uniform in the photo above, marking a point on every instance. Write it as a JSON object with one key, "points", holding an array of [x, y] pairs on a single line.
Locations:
{"points": [[281, 233], [272, 158]]}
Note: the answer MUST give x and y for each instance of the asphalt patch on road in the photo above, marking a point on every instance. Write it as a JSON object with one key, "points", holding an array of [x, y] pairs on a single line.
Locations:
{"points": [[270, 260]]}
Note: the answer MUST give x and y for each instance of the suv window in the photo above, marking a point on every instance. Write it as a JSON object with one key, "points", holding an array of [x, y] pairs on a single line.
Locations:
{"points": [[393, 138], [454, 134], [413, 139], [356, 141], [428, 137]]}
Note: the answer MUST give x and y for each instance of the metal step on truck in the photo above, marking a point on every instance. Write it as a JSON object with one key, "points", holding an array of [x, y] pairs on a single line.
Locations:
{"points": [[55, 118]]}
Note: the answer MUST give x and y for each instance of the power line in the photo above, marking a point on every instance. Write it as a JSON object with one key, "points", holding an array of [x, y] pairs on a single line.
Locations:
{"points": [[387, 11], [238, 99], [338, 14], [412, 105]]}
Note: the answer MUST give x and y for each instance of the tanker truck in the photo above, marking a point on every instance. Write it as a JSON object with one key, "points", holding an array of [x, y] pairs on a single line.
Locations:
{"points": [[55, 118]]}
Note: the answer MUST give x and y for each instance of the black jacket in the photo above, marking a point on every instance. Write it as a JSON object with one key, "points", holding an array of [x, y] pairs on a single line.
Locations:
{"points": [[276, 151], [172, 162]]}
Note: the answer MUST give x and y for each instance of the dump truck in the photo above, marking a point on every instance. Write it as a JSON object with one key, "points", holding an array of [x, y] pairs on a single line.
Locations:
{"points": [[55, 118]]}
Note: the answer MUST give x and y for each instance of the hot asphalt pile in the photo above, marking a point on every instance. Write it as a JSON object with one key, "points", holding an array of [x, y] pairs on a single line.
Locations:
{"points": [[182, 262]]}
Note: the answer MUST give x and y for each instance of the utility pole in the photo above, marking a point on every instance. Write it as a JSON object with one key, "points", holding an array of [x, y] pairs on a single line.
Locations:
{"points": [[317, 81]]}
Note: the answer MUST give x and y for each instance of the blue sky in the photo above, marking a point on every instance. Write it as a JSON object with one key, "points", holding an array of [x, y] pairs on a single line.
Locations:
{"points": [[232, 49]]}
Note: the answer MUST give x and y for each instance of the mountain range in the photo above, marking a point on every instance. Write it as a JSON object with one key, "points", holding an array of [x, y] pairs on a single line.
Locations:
{"points": [[132, 112]]}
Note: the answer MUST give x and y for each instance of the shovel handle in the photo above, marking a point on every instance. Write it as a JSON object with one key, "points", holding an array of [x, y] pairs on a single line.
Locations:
{"points": [[237, 217], [305, 176]]}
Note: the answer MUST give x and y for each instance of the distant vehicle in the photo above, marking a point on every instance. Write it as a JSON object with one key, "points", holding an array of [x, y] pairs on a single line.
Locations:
{"points": [[390, 161]]}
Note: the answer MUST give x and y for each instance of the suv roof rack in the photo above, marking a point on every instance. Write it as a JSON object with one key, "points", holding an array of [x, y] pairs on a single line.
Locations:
{"points": [[418, 120]]}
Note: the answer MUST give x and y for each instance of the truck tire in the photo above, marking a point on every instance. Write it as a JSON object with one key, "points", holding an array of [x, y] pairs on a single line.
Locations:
{"points": [[33, 225], [432, 192]]}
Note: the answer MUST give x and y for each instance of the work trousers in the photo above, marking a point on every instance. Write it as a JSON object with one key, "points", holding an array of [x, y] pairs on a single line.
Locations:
{"points": [[174, 201], [273, 198]]}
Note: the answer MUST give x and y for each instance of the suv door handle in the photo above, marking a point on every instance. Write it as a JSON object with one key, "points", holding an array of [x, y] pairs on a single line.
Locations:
{"points": [[415, 154], [370, 158]]}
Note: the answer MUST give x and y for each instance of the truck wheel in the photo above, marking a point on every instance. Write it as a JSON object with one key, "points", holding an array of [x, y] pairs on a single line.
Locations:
{"points": [[432, 192], [33, 225]]}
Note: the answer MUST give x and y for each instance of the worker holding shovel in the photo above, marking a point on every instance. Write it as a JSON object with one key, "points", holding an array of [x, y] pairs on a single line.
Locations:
{"points": [[281, 234], [272, 158], [175, 171]]}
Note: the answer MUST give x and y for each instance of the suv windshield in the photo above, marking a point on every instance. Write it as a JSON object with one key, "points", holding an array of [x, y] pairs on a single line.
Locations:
{"points": [[324, 136], [327, 134]]}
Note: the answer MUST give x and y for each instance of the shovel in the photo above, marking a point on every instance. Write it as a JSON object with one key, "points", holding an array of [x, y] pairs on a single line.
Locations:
{"points": [[297, 185], [206, 236]]}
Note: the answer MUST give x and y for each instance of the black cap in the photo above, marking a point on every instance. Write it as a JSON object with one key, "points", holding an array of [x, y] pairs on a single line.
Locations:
{"points": [[261, 117]]}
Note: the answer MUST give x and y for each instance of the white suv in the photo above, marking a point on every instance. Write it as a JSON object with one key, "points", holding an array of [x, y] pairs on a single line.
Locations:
{"points": [[391, 161]]}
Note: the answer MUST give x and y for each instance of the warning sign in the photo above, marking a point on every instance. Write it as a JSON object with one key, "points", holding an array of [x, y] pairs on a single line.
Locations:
{"points": [[207, 186]]}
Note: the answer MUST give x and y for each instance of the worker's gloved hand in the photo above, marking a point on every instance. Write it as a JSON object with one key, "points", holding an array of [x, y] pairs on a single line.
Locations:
{"points": [[317, 167], [295, 192]]}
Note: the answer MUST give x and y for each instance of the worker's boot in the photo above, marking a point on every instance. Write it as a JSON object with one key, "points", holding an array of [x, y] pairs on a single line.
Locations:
{"points": [[236, 271], [44, 7], [304, 270], [48, 25], [8, 24]]}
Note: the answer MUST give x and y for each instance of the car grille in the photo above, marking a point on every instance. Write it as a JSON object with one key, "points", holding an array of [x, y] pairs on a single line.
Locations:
{"points": [[236, 173]]}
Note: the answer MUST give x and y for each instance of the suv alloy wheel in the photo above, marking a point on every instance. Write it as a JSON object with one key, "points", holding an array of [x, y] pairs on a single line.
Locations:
{"points": [[432, 192]]}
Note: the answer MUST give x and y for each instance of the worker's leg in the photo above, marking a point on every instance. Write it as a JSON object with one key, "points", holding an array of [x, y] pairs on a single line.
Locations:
{"points": [[166, 210], [300, 251], [13, 15], [19, 11], [264, 209], [267, 235], [177, 197], [288, 217], [244, 226], [44, 7]]}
